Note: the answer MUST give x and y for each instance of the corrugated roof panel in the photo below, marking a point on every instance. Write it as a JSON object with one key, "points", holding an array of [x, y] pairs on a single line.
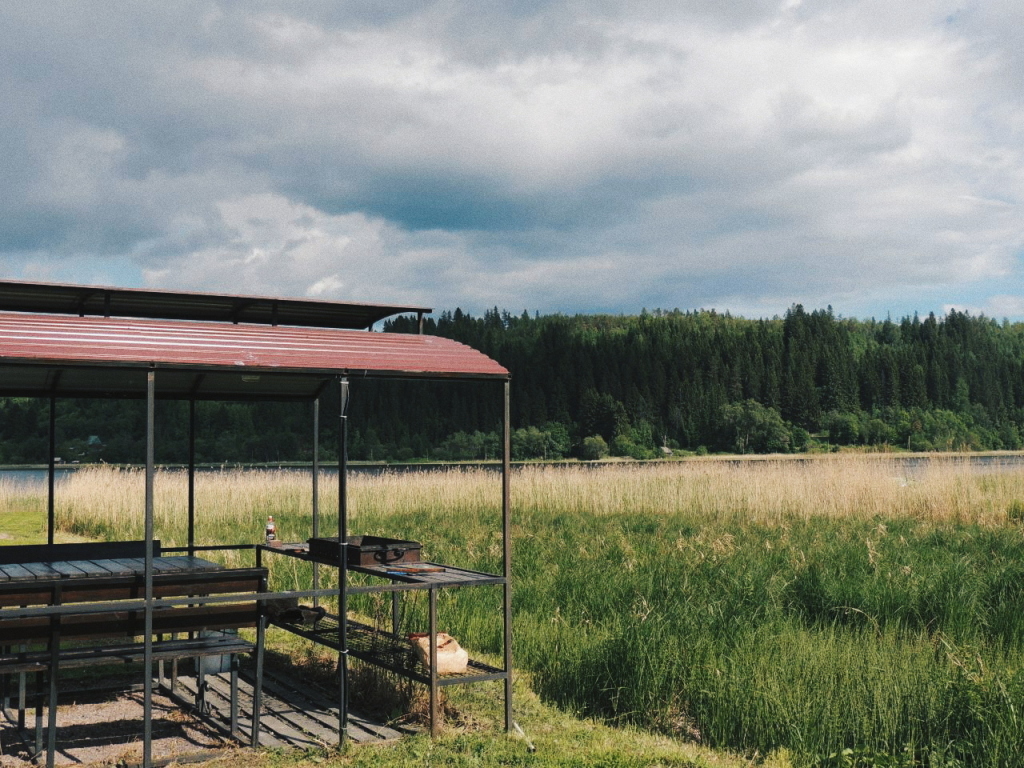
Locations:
{"points": [[58, 341]]}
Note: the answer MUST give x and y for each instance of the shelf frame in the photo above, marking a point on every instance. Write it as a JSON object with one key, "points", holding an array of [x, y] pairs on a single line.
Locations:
{"points": [[375, 646]]}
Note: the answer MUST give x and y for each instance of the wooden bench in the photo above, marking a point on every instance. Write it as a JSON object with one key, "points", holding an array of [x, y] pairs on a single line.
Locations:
{"points": [[76, 611], [85, 550]]}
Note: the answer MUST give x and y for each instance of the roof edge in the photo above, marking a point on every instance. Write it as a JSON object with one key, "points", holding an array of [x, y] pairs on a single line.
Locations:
{"points": [[109, 301]]}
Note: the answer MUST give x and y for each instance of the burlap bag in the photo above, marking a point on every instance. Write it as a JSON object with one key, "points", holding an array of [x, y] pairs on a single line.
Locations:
{"points": [[452, 658]]}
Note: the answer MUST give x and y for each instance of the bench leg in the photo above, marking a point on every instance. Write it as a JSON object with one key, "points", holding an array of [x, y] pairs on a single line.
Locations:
{"points": [[51, 735], [51, 717], [5, 693], [201, 703], [234, 693], [39, 713], [5, 703], [22, 704], [257, 688]]}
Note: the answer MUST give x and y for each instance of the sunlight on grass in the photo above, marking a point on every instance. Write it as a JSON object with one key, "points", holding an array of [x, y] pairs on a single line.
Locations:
{"points": [[796, 608]]}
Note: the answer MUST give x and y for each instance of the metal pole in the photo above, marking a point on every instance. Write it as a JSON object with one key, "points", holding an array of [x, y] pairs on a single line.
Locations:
{"points": [[192, 476], [343, 464], [506, 509], [51, 479], [147, 747], [316, 467], [435, 718], [316, 492], [343, 565]]}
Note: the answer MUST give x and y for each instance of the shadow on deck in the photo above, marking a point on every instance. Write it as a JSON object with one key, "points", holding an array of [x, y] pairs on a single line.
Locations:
{"points": [[107, 728]]}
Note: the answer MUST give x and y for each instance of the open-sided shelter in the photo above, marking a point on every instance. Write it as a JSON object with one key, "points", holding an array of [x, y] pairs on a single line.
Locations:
{"points": [[64, 341]]}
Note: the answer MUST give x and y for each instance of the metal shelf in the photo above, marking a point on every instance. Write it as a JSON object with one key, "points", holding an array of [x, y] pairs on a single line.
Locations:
{"points": [[390, 650], [402, 573], [385, 650]]}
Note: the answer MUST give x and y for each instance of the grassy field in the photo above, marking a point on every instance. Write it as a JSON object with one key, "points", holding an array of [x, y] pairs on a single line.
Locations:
{"points": [[830, 612]]}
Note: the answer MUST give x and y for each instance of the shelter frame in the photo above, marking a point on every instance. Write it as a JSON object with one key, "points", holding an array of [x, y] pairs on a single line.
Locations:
{"points": [[75, 341]]}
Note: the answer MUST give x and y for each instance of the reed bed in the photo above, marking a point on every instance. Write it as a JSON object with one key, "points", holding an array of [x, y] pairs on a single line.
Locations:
{"points": [[818, 606]]}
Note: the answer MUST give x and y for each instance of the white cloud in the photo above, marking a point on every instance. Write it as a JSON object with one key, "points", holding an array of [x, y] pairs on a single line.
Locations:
{"points": [[266, 244], [550, 155], [996, 307], [264, 241]]}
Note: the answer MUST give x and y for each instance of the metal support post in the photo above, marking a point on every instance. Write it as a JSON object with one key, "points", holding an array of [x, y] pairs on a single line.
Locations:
{"points": [[343, 565], [257, 700], [147, 747], [435, 719], [192, 476], [506, 509], [316, 493], [52, 475]]}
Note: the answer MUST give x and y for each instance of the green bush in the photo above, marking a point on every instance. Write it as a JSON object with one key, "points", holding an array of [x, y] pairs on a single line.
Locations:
{"points": [[844, 429], [750, 427], [593, 448]]}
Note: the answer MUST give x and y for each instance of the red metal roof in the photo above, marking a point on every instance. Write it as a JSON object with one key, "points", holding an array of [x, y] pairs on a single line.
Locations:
{"points": [[86, 355]]}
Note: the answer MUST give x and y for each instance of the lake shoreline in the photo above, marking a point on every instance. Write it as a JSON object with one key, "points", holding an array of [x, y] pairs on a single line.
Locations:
{"points": [[610, 461]]}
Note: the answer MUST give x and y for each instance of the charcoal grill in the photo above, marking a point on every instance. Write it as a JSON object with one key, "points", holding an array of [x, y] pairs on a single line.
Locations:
{"points": [[366, 550]]}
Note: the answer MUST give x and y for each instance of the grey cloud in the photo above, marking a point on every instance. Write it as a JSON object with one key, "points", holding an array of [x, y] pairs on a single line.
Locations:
{"points": [[548, 154]]}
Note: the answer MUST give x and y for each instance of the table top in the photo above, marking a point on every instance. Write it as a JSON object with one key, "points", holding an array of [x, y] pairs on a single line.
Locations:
{"points": [[84, 569]]}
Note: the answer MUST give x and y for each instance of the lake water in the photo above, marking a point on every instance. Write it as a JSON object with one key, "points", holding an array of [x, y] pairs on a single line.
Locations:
{"points": [[37, 477], [909, 464]]}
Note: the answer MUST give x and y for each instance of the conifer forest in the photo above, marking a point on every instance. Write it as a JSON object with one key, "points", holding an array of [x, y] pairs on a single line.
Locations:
{"points": [[588, 386]]}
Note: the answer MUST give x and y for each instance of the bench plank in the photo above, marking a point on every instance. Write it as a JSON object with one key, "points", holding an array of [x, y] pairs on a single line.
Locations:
{"points": [[179, 584], [15, 572], [41, 571], [68, 570], [90, 568], [197, 563], [84, 550], [39, 629]]}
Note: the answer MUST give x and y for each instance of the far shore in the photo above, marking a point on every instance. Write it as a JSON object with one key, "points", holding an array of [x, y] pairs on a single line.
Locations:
{"points": [[611, 460]]}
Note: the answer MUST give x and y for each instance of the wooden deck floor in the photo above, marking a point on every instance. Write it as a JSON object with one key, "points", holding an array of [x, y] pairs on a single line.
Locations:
{"points": [[294, 715]]}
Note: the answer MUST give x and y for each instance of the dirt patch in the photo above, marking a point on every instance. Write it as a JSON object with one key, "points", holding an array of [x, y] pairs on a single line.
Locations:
{"points": [[109, 731]]}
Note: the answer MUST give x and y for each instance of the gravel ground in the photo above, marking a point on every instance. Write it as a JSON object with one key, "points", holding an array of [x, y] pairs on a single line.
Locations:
{"points": [[109, 732]]}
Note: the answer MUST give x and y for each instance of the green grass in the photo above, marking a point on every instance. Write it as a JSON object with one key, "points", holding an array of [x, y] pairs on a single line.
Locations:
{"points": [[23, 522], [834, 613]]}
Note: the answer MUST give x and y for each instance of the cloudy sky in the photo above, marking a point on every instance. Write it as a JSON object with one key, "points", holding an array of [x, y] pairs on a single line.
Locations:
{"points": [[550, 155]]}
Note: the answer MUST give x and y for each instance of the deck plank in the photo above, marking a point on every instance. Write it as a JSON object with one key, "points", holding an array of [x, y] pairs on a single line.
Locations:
{"points": [[294, 714]]}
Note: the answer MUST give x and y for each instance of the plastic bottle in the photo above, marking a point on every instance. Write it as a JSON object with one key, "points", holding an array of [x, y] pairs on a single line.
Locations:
{"points": [[271, 529]]}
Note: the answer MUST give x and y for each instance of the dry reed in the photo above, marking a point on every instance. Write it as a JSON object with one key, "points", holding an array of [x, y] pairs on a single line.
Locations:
{"points": [[105, 500]]}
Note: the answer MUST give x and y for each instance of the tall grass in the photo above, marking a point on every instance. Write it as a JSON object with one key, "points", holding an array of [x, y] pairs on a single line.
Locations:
{"points": [[819, 606], [22, 514]]}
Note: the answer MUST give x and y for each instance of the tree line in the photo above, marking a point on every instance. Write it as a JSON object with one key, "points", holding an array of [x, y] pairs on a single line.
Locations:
{"points": [[703, 381], [641, 386]]}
